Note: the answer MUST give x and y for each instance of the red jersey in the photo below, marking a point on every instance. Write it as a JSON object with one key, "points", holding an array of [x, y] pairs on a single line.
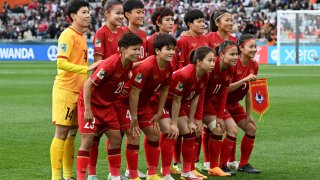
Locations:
{"points": [[184, 47], [217, 87], [239, 73], [185, 84], [150, 40], [109, 79], [143, 36], [106, 42], [149, 78], [215, 40]]}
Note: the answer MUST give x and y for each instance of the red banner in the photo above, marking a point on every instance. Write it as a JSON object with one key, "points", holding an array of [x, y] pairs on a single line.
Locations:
{"points": [[259, 96]]}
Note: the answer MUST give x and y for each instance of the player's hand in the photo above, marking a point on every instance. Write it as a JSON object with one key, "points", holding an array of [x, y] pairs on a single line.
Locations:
{"points": [[192, 127], [155, 120], [134, 128], [249, 119], [173, 131], [251, 77], [199, 127], [220, 123], [88, 116], [94, 66]]}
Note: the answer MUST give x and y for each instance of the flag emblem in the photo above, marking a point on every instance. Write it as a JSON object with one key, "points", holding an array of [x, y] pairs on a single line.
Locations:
{"points": [[97, 42], [179, 86]]}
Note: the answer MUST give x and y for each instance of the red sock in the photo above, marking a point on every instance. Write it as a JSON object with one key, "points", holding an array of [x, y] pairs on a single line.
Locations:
{"points": [[232, 156], [215, 143], [198, 142], [132, 154], [114, 159], [177, 150], [94, 151], [152, 152], [188, 151], [205, 142], [167, 148], [82, 164], [226, 148], [246, 149]]}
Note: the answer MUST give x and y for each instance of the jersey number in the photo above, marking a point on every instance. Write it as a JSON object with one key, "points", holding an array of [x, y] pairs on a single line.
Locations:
{"points": [[69, 114], [191, 95], [141, 52], [128, 115], [216, 89], [120, 87], [90, 125]]}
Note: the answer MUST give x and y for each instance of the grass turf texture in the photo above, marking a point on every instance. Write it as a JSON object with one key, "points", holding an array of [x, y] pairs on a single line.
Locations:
{"points": [[286, 145]]}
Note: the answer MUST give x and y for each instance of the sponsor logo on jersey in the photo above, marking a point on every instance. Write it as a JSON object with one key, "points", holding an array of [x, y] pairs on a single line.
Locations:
{"points": [[179, 86], [101, 74], [63, 47], [97, 42], [138, 78]]}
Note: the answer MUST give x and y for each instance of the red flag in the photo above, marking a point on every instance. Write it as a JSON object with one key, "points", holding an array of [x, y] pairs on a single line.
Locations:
{"points": [[259, 96]]}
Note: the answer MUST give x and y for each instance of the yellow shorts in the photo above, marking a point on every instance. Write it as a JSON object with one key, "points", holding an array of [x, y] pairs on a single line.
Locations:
{"points": [[64, 107]]}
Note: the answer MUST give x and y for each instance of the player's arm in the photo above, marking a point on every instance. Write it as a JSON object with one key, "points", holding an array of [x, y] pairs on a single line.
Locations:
{"points": [[222, 99], [234, 86], [87, 91], [97, 57], [63, 64], [162, 99], [248, 104], [133, 105], [175, 109], [192, 123], [136, 64]]}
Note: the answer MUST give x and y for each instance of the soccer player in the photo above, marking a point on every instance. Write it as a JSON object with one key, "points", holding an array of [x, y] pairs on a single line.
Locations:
{"points": [[215, 100], [95, 105], [72, 65], [134, 111], [194, 19], [220, 26], [162, 19], [134, 13], [105, 44], [246, 70], [186, 104]]}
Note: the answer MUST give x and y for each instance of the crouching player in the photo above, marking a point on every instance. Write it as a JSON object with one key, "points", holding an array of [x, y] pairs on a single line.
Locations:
{"points": [[96, 112], [185, 102], [134, 111]]}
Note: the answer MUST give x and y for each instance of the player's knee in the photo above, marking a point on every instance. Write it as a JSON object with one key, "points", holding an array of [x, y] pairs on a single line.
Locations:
{"points": [[217, 131], [62, 132], [72, 132], [86, 144], [133, 140], [115, 142], [251, 129], [233, 131]]}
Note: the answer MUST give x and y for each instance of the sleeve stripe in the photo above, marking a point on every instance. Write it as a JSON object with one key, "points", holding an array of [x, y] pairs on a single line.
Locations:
{"points": [[93, 82], [135, 88], [98, 53], [64, 57]]}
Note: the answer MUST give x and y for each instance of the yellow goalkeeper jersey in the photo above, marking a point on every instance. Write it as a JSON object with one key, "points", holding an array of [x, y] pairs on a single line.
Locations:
{"points": [[72, 60]]}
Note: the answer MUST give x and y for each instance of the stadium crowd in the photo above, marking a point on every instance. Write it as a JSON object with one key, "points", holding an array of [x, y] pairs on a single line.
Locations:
{"points": [[46, 19]]}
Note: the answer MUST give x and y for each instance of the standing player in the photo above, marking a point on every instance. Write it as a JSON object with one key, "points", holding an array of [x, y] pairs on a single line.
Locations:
{"points": [[195, 22], [215, 100], [72, 65], [134, 13], [95, 106], [105, 44], [134, 111], [220, 26], [162, 19], [186, 104], [246, 70]]}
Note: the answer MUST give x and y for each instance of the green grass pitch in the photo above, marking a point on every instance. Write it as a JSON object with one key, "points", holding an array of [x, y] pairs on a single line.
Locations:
{"points": [[287, 143]]}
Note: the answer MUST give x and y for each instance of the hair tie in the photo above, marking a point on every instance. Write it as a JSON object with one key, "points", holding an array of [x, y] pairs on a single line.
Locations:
{"points": [[246, 41]]}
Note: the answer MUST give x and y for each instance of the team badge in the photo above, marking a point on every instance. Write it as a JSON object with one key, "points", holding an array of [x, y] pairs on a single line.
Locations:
{"points": [[227, 78], [118, 75], [216, 44], [167, 75], [155, 76], [201, 85], [63, 47], [194, 44], [258, 97], [101, 74], [110, 39], [179, 86], [239, 72], [138, 78], [97, 42]]}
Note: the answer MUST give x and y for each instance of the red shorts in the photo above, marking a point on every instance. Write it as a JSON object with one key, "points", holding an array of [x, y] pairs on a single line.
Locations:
{"points": [[123, 111], [165, 111], [235, 111], [104, 118], [210, 108]]}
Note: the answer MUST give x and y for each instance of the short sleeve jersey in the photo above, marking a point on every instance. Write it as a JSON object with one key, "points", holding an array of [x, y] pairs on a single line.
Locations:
{"points": [[109, 80], [143, 36], [149, 78], [186, 85], [150, 50], [72, 47], [239, 73], [215, 40], [184, 47], [217, 87], [105, 41]]}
